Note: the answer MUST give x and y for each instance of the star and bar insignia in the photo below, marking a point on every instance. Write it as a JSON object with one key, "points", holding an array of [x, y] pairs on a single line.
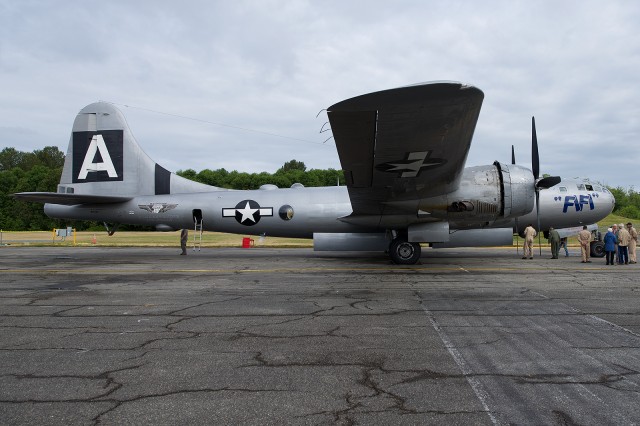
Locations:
{"points": [[247, 212]]}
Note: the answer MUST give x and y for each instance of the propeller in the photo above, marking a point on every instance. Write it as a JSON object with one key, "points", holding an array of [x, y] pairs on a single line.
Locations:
{"points": [[543, 183], [513, 161], [535, 158], [546, 182], [517, 227]]}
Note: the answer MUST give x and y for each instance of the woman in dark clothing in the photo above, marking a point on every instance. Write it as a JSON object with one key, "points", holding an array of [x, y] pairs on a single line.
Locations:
{"points": [[610, 241]]}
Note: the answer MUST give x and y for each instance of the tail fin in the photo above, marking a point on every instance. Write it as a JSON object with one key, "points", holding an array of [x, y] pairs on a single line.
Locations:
{"points": [[104, 158], [105, 164]]}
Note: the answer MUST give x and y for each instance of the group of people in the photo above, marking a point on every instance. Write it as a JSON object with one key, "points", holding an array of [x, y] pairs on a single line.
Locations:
{"points": [[584, 238], [620, 242], [554, 239]]}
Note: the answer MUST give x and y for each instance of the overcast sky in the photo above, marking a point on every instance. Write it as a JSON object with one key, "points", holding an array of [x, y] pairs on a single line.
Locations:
{"points": [[238, 84]]}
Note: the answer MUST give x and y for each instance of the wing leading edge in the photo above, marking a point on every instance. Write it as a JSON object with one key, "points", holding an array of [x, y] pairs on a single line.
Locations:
{"points": [[403, 144]]}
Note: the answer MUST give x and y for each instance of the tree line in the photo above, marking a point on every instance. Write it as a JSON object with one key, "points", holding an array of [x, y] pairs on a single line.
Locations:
{"points": [[26, 172], [291, 172], [40, 171]]}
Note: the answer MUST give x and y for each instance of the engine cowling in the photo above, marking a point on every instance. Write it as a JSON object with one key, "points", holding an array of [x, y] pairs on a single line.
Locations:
{"points": [[518, 189], [485, 194]]}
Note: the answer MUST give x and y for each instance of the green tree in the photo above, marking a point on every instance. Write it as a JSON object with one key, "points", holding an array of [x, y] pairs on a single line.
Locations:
{"points": [[630, 211], [10, 158], [292, 165], [620, 194], [188, 174], [50, 156]]}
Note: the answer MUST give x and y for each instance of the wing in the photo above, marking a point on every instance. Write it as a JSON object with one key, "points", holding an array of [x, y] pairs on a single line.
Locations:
{"points": [[404, 144], [69, 199]]}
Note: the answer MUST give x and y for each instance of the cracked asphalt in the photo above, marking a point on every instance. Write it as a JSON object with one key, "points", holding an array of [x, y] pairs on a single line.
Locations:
{"points": [[289, 336]]}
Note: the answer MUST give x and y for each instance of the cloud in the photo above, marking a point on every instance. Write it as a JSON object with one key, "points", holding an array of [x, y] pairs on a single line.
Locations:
{"points": [[269, 67]]}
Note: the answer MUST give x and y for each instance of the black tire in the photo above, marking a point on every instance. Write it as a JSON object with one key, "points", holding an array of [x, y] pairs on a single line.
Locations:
{"points": [[597, 249], [404, 253]]}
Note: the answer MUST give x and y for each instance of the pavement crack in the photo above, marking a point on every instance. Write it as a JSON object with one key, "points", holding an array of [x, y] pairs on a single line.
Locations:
{"points": [[110, 385], [120, 402]]}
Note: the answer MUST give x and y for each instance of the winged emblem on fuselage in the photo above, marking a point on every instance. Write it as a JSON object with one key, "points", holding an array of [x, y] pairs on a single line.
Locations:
{"points": [[157, 207]]}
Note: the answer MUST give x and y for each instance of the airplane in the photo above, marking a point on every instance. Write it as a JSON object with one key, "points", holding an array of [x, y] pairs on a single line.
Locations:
{"points": [[403, 153]]}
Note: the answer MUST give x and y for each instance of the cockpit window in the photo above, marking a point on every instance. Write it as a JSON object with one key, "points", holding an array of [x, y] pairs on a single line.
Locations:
{"points": [[581, 187], [589, 187], [563, 189], [598, 189]]}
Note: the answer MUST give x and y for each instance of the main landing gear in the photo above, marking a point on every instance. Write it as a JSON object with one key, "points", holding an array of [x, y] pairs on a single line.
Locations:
{"points": [[402, 252], [597, 249]]}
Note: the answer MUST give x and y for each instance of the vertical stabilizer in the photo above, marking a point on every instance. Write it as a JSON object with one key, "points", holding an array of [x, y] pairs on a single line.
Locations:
{"points": [[104, 158]]}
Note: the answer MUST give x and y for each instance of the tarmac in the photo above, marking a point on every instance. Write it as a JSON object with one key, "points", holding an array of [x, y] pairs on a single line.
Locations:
{"points": [[254, 336]]}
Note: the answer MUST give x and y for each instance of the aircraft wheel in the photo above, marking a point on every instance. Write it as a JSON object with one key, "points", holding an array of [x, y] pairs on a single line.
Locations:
{"points": [[403, 252], [597, 249]]}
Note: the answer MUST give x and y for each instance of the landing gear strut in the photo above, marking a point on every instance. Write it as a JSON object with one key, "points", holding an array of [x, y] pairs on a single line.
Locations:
{"points": [[403, 252]]}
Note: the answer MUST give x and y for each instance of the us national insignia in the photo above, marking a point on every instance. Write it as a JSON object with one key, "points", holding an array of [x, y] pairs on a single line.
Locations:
{"points": [[247, 212], [412, 165]]}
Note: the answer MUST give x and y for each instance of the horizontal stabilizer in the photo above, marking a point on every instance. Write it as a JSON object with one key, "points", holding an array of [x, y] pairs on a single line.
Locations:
{"points": [[69, 199]]}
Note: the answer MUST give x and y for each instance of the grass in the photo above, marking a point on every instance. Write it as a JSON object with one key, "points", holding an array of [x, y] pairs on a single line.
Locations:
{"points": [[172, 239], [612, 218], [146, 239]]}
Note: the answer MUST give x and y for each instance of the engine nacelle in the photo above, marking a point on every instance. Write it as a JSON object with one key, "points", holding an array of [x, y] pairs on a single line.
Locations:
{"points": [[518, 190], [485, 194]]}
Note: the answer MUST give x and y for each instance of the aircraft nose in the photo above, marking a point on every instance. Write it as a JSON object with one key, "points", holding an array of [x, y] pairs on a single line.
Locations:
{"points": [[609, 202]]}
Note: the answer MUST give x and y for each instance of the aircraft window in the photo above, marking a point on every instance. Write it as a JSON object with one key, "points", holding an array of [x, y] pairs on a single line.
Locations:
{"points": [[563, 189], [581, 187], [589, 188], [598, 189], [286, 212]]}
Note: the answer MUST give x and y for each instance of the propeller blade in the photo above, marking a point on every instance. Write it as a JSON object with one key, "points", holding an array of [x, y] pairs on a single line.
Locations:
{"points": [[513, 156], [535, 167], [538, 220], [535, 159], [548, 182]]}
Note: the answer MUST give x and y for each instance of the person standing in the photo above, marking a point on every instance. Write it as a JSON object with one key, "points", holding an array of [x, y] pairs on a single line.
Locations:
{"points": [[614, 229], [633, 243], [624, 238], [584, 238], [610, 245], [184, 236], [529, 235], [554, 240], [563, 244]]}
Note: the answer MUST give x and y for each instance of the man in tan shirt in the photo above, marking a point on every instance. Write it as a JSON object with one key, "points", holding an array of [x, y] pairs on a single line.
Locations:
{"points": [[584, 238], [632, 243], [624, 238], [529, 235]]}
